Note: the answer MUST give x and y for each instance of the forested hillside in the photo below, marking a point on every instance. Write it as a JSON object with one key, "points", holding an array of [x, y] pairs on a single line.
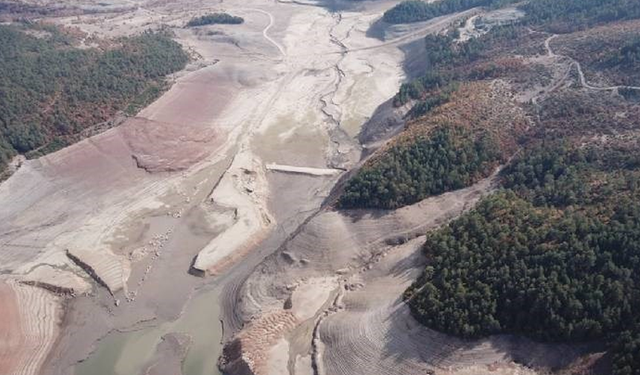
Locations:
{"points": [[449, 63], [628, 56], [417, 11], [567, 15], [449, 159], [552, 256], [562, 15], [626, 350], [51, 90], [465, 147]]}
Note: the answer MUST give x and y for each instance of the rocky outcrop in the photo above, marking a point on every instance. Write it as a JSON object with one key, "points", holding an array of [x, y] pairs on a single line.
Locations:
{"points": [[247, 353], [106, 268], [63, 282]]}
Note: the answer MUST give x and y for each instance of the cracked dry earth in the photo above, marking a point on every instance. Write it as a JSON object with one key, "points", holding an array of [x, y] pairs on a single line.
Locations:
{"points": [[100, 240], [225, 176]]}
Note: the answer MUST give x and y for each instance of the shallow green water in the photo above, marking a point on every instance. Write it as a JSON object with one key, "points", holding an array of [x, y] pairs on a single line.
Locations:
{"points": [[128, 353]]}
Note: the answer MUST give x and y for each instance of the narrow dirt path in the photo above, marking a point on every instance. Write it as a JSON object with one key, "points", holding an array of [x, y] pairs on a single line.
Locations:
{"points": [[581, 76], [265, 31]]}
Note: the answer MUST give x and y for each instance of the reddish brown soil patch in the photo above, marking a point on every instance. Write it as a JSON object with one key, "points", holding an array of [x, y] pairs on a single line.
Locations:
{"points": [[10, 333], [158, 146]]}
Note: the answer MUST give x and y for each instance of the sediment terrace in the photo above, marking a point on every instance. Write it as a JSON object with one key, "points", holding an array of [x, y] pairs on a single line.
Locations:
{"points": [[30, 324], [329, 302], [116, 221], [310, 275]]}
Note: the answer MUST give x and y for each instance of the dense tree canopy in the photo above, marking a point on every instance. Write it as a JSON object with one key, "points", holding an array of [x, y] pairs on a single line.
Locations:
{"points": [[410, 11], [573, 14], [512, 267], [449, 159], [425, 105], [51, 90], [628, 56], [215, 18], [553, 255], [570, 13], [626, 351]]}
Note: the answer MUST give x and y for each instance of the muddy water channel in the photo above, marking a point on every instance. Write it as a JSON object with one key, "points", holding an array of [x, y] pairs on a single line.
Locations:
{"points": [[129, 353]]}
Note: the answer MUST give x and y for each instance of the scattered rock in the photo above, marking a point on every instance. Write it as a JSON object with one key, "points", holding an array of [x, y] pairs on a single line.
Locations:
{"points": [[288, 304], [287, 256]]}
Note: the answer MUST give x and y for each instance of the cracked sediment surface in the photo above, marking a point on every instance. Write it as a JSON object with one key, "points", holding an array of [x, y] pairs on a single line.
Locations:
{"points": [[107, 231]]}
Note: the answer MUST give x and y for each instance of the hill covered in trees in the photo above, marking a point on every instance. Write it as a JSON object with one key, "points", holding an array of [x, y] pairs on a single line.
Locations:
{"points": [[449, 158], [465, 135], [51, 90], [410, 11], [448, 64], [215, 18], [424, 162], [552, 256], [628, 56], [569, 15], [562, 15], [626, 350]]}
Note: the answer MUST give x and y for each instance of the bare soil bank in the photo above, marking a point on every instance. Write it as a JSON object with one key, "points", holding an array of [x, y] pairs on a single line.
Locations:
{"points": [[140, 205]]}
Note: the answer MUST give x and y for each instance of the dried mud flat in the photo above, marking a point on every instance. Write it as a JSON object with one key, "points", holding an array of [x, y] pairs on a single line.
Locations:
{"points": [[225, 176], [100, 238]]}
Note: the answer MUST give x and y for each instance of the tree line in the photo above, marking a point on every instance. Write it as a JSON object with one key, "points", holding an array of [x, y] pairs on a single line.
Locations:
{"points": [[569, 15], [448, 159], [563, 15], [410, 11], [215, 18]]}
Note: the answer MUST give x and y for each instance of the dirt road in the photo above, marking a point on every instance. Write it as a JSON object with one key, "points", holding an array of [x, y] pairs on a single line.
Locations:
{"points": [[578, 67]]}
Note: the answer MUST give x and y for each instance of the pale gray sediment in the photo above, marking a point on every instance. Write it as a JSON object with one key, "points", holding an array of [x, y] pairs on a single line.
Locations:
{"points": [[135, 208]]}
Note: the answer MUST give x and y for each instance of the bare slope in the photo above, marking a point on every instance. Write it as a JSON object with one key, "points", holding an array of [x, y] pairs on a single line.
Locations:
{"points": [[128, 211]]}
